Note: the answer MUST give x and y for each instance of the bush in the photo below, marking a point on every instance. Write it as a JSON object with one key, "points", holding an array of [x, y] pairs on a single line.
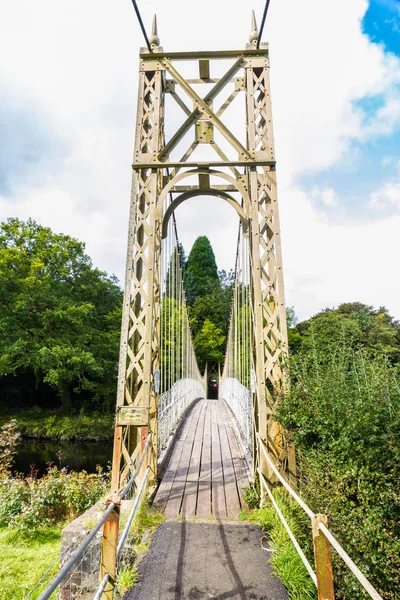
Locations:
{"points": [[343, 410], [28, 503], [9, 436]]}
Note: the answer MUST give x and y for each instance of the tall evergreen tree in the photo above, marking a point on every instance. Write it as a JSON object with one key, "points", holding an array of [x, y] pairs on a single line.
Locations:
{"points": [[201, 273]]}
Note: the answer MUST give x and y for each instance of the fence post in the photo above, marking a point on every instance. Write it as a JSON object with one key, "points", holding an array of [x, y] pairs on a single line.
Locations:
{"points": [[323, 560], [109, 543]]}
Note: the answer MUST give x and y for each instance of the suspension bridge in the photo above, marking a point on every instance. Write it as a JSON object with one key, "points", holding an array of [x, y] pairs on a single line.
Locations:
{"points": [[195, 455]]}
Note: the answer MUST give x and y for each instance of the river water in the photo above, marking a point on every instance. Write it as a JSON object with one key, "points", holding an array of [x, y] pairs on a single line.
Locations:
{"points": [[77, 456]]}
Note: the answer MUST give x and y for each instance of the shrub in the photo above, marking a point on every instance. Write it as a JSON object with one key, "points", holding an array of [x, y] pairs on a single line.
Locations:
{"points": [[343, 410], [28, 503], [9, 436]]}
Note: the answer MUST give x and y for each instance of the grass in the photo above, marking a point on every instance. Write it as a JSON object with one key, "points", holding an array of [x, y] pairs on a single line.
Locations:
{"points": [[126, 579], [286, 563], [51, 424], [24, 559]]}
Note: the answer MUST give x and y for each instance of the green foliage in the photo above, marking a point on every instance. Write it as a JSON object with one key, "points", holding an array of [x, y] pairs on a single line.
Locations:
{"points": [[9, 436], [251, 494], [215, 307], [126, 579], [59, 316], [201, 273], [61, 425], [27, 503], [365, 327], [209, 344], [284, 558], [343, 410]]}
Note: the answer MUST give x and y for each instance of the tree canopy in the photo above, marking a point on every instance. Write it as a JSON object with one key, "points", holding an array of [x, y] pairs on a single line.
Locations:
{"points": [[201, 272], [59, 316]]}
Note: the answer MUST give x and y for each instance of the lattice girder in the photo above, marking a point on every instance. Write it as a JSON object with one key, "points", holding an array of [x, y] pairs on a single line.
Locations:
{"points": [[250, 163]]}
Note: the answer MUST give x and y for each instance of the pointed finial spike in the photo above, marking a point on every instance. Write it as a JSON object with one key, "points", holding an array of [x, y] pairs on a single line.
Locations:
{"points": [[154, 39], [154, 28], [254, 29]]}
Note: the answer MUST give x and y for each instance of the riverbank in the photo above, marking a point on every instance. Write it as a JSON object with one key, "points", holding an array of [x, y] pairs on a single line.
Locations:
{"points": [[58, 425]]}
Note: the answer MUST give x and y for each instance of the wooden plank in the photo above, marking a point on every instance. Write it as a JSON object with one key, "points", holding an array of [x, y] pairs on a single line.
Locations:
{"points": [[217, 481], [173, 506], [233, 505], [189, 503], [167, 482], [236, 448], [203, 510]]}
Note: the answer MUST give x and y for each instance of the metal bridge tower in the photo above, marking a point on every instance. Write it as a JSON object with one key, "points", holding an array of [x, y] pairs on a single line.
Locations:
{"points": [[238, 167]]}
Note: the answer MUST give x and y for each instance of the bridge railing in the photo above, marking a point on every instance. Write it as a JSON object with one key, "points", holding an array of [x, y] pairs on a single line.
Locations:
{"points": [[92, 568], [239, 399], [323, 538], [171, 406]]}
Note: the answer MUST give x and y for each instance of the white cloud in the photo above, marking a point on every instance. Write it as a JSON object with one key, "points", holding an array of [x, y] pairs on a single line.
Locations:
{"points": [[327, 196], [78, 62], [327, 264], [387, 196]]}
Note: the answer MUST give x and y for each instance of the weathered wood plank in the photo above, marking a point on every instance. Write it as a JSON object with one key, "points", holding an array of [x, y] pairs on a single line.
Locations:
{"points": [[233, 505], [189, 502], [238, 459], [175, 498], [167, 482], [203, 510], [217, 482]]}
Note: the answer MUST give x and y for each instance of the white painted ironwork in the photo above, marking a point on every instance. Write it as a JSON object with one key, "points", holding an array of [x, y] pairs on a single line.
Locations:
{"points": [[171, 406], [239, 399]]}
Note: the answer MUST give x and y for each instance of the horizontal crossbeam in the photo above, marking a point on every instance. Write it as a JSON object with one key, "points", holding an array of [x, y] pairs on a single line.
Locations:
{"points": [[198, 55], [222, 163]]}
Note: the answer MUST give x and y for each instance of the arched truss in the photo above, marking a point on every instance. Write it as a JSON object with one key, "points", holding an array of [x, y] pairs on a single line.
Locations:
{"points": [[204, 192]]}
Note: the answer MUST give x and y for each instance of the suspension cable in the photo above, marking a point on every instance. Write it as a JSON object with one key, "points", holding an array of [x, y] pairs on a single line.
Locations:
{"points": [[135, 6], [263, 22]]}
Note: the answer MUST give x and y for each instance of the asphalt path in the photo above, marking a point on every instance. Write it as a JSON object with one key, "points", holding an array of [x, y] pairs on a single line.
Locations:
{"points": [[207, 560]]}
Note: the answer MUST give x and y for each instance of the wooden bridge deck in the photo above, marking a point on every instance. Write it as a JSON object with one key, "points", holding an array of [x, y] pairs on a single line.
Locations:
{"points": [[207, 469]]}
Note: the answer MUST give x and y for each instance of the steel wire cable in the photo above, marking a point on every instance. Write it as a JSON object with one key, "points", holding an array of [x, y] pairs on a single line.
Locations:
{"points": [[264, 17], [135, 6]]}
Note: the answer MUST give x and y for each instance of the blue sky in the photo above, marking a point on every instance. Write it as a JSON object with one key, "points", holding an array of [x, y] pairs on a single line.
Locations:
{"points": [[366, 164], [68, 90], [382, 24]]}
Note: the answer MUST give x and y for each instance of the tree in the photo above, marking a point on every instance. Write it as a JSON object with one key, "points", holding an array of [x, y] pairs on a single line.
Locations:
{"points": [[215, 307], [209, 345], [362, 325], [59, 316], [201, 273]]}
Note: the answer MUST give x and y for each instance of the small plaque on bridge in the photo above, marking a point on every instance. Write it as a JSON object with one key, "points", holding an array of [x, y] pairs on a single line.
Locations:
{"points": [[133, 415]]}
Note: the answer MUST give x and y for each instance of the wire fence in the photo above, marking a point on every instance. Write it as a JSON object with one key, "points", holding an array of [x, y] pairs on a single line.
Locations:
{"points": [[85, 571]]}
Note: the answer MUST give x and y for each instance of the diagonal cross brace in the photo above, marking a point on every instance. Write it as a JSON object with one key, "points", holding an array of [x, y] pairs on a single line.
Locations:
{"points": [[203, 107]]}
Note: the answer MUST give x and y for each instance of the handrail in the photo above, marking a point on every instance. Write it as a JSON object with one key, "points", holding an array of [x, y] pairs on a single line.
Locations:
{"points": [[283, 481], [289, 531], [79, 552], [320, 526], [132, 513], [68, 566], [101, 587], [128, 486], [352, 566]]}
